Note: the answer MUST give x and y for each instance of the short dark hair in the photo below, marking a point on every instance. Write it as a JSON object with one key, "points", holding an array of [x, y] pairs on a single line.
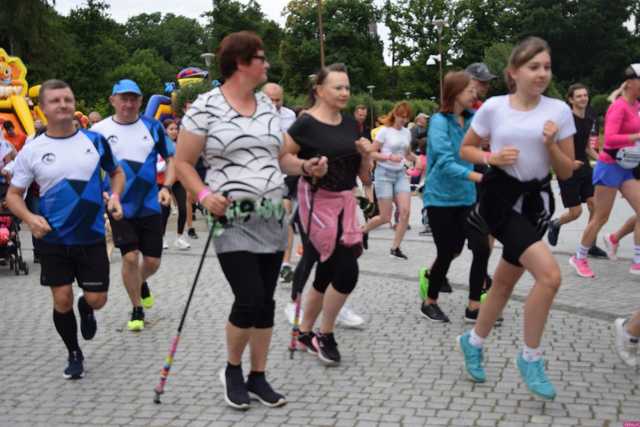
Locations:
{"points": [[454, 83], [51, 84], [237, 47], [360, 107], [168, 122], [574, 87]]}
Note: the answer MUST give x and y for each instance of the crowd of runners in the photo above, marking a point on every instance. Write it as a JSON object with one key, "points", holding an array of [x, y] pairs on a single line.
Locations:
{"points": [[265, 173]]}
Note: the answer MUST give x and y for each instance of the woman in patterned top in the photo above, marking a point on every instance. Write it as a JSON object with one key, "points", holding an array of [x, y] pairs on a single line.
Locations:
{"points": [[239, 132]]}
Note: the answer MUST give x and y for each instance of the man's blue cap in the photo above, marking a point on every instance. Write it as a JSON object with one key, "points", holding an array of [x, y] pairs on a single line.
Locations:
{"points": [[126, 86]]}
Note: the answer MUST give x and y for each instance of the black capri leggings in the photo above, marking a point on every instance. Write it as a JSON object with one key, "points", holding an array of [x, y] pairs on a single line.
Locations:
{"points": [[450, 229], [253, 279], [181, 199]]}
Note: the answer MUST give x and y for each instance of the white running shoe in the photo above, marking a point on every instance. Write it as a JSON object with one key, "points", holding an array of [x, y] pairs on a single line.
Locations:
{"points": [[182, 244], [626, 349], [348, 318], [165, 244], [290, 312]]}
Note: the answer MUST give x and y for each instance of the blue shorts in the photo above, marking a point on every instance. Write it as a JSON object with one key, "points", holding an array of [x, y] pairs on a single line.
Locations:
{"points": [[389, 183], [611, 174]]}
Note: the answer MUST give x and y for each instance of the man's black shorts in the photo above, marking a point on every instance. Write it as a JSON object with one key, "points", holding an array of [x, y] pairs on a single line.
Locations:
{"points": [[62, 264], [577, 189], [143, 234]]}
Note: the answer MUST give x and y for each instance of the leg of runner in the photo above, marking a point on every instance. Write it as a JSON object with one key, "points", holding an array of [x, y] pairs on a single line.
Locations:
{"points": [[181, 200], [132, 279], [65, 322], [631, 191], [627, 335], [478, 243], [403, 203], [286, 272]]}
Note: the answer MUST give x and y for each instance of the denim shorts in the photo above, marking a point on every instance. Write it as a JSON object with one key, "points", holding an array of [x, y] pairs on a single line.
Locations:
{"points": [[611, 174], [388, 183]]}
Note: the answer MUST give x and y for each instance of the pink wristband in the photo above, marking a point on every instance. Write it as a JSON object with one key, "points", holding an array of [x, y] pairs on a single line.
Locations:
{"points": [[203, 193]]}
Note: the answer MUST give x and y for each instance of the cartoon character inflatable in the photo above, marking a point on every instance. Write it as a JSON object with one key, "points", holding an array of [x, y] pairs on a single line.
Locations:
{"points": [[13, 90]]}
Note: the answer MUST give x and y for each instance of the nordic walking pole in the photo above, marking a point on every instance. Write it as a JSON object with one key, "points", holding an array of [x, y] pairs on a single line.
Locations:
{"points": [[298, 285], [168, 361]]}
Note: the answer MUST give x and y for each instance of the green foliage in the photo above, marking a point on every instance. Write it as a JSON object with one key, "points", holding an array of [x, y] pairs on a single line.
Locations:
{"points": [[599, 104], [189, 93]]}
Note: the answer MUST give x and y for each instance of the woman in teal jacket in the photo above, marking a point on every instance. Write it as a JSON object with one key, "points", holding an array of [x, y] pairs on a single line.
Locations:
{"points": [[449, 195]]}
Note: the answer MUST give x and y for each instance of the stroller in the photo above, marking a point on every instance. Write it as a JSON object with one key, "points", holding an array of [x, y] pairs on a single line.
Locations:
{"points": [[10, 247]]}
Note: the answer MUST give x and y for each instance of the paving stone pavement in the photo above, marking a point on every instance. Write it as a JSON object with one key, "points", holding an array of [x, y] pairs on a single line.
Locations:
{"points": [[399, 370]]}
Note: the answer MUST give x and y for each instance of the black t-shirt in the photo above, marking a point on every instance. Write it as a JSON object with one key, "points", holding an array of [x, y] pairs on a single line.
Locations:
{"points": [[581, 138], [337, 143]]}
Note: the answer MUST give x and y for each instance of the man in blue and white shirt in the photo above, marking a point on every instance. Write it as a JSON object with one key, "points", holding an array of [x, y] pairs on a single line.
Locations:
{"points": [[67, 165], [136, 141]]}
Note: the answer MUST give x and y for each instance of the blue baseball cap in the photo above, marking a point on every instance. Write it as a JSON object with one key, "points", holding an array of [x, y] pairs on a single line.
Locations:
{"points": [[126, 86]]}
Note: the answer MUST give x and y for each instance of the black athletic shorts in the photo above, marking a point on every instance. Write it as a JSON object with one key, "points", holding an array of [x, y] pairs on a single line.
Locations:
{"points": [[62, 264], [143, 234], [577, 189], [516, 235], [292, 187]]}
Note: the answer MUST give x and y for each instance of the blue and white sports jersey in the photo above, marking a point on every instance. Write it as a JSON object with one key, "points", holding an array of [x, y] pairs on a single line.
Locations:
{"points": [[136, 146], [68, 173]]}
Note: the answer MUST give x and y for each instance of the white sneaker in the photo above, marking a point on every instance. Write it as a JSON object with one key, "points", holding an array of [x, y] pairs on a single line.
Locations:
{"points": [[627, 350], [290, 312], [182, 244], [165, 244], [348, 318]]}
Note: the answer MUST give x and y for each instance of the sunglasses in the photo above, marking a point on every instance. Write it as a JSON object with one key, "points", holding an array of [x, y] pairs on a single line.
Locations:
{"points": [[260, 57]]}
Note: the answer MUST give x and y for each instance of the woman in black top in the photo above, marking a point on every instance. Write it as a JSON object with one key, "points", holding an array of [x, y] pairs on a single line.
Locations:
{"points": [[324, 132]]}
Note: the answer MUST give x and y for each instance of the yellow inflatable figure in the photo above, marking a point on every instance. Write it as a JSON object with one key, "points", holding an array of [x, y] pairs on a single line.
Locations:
{"points": [[13, 89]]}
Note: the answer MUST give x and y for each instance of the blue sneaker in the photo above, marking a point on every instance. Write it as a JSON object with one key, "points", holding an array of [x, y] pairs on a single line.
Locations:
{"points": [[74, 369], [472, 359], [534, 377]]}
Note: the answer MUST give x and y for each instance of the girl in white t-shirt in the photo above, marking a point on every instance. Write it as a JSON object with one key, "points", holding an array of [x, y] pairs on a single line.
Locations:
{"points": [[529, 133], [390, 180]]}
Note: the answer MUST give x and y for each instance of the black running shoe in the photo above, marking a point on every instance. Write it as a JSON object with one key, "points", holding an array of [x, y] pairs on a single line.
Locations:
{"points": [[286, 274], [75, 369], [445, 288], [88, 324], [192, 233], [305, 342], [471, 316], [554, 231], [327, 348], [397, 253], [433, 312], [235, 390], [596, 252], [260, 389]]}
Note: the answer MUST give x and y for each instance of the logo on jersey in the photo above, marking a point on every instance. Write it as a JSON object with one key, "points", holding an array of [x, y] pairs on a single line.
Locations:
{"points": [[88, 151], [113, 139], [48, 159]]}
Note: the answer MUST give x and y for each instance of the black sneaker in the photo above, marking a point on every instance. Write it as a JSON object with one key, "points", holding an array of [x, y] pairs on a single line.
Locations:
{"points": [[306, 342], [192, 233], [88, 324], [397, 253], [471, 316], [286, 274], [596, 252], [75, 369], [327, 348], [554, 231], [433, 312], [260, 389], [445, 288], [235, 390]]}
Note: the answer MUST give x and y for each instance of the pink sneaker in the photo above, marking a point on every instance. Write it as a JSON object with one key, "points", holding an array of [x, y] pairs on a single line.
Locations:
{"points": [[582, 267], [635, 269], [612, 248]]}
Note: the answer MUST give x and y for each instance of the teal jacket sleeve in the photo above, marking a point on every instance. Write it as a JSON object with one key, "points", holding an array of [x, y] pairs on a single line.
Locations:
{"points": [[443, 149]]}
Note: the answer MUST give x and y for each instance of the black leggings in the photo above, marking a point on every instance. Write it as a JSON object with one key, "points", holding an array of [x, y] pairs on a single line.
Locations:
{"points": [[450, 229], [181, 199], [253, 279]]}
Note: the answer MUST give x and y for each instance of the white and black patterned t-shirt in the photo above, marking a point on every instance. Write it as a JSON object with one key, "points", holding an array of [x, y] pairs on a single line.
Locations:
{"points": [[243, 156]]}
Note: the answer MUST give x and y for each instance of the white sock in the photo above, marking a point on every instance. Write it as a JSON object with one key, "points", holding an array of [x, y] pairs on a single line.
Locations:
{"points": [[582, 252], [531, 354], [636, 254], [285, 264], [475, 340]]}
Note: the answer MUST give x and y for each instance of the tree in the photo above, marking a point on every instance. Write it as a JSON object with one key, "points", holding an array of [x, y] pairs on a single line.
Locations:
{"points": [[348, 39]]}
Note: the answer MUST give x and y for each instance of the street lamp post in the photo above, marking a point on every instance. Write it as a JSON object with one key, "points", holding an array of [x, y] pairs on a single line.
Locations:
{"points": [[208, 60], [407, 95], [440, 23], [321, 32], [371, 88]]}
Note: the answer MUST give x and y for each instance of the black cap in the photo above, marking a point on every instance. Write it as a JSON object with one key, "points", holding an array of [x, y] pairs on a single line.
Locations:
{"points": [[480, 71]]}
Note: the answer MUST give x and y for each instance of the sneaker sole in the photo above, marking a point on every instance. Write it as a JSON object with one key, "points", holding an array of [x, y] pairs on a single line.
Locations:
{"points": [[72, 377], [464, 365], [573, 264], [302, 347], [279, 403], [223, 380], [350, 325], [135, 328], [398, 257], [469, 321], [434, 320], [515, 362]]}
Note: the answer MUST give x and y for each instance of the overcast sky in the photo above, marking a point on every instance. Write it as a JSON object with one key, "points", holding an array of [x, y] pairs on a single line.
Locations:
{"points": [[121, 10]]}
